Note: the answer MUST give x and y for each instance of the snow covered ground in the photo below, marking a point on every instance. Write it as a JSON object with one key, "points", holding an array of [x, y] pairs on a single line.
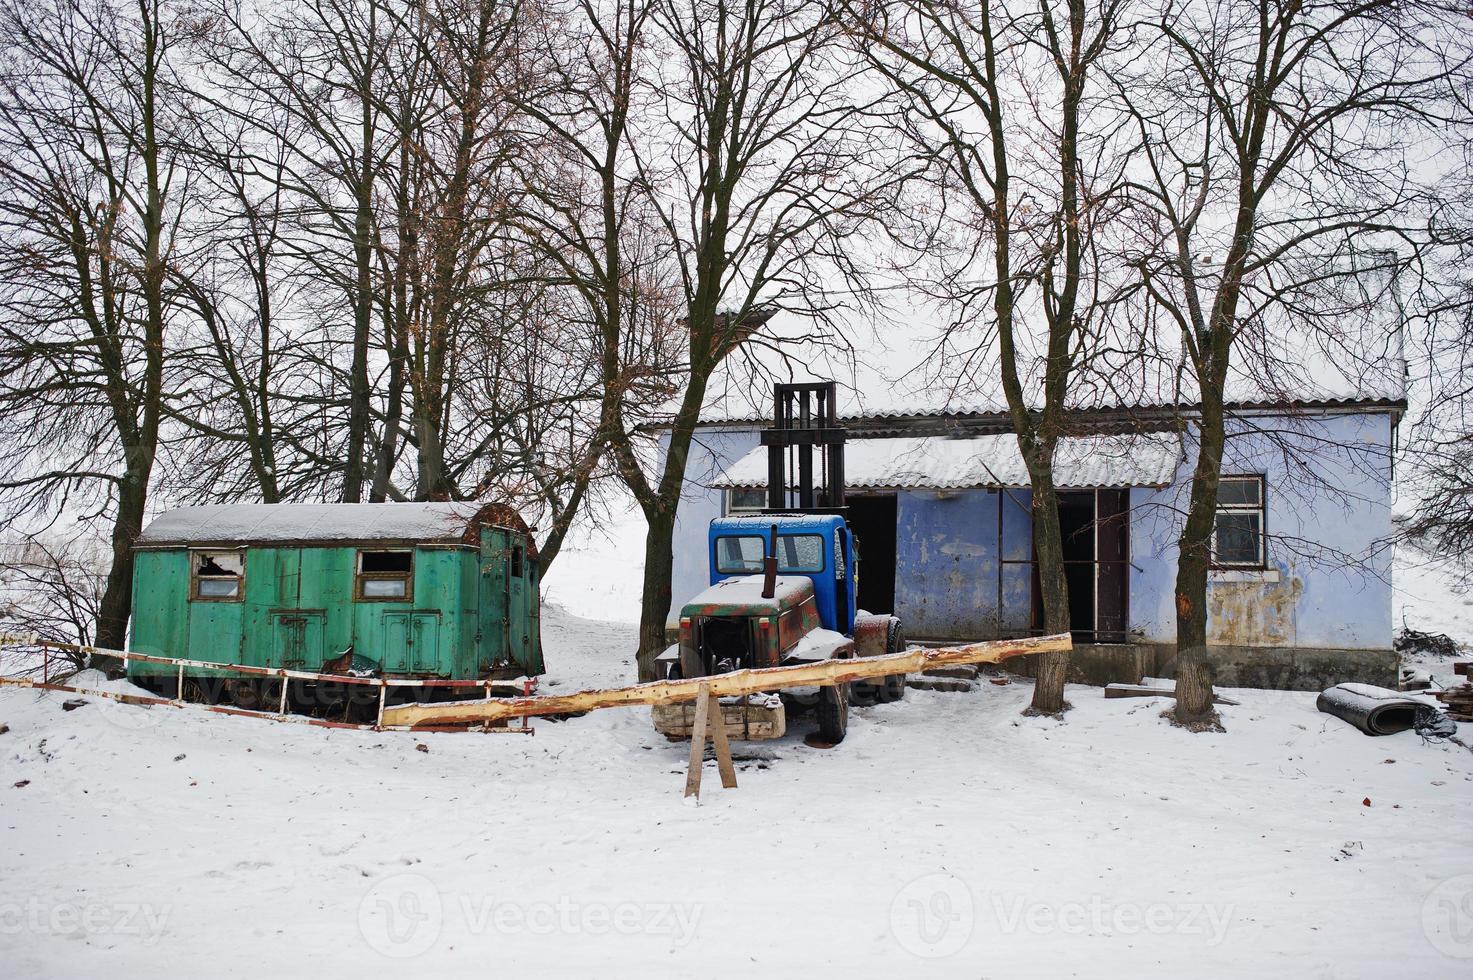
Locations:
{"points": [[947, 834]]}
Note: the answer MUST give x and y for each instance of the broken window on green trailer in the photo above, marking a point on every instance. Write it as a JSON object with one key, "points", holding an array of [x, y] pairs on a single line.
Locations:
{"points": [[217, 576], [384, 576], [742, 554], [1237, 533]]}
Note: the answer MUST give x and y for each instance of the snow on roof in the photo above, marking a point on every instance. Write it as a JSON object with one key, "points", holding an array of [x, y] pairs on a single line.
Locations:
{"points": [[249, 523], [940, 463]]}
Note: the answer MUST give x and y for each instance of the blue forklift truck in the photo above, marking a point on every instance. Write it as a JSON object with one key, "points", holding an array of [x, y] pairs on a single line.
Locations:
{"points": [[784, 586]]}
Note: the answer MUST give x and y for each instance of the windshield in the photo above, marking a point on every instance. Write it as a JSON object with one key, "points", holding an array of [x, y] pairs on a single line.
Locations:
{"points": [[742, 554]]}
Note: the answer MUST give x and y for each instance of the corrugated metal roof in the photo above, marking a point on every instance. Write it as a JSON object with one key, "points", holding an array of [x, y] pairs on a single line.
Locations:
{"points": [[247, 523], [939, 463]]}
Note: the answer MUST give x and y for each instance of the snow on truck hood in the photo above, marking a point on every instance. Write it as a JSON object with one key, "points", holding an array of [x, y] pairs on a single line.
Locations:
{"points": [[746, 590]]}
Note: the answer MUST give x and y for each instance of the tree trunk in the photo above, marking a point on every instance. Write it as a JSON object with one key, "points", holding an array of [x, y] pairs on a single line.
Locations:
{"points": [[1193, 672], [1048, 545], [358, 372], [660, 506], [139, 453], [358, 397], [117, 597], [654, 608], [432, 484]]}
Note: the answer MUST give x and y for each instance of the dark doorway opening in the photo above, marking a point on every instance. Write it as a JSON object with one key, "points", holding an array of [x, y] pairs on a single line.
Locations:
{"points": [[1112, 534], [872, 519], [1095, 525], [1076, 523]]}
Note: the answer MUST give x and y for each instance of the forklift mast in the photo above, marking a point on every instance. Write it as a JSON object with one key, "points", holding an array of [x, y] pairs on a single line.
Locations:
{"points": [[804, 418]]}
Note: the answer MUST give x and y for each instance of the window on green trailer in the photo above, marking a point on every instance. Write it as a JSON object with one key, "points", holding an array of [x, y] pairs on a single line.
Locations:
{"points": [[217, 576], [384, 576], [742, 554]]}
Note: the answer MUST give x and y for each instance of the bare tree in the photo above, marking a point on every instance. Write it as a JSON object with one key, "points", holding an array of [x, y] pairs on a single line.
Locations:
{"points": [[230, 373], [1003, 103], [53, 588], [311, 79], [760, 171], [1269, 167], [89, 199], [589, 213]]}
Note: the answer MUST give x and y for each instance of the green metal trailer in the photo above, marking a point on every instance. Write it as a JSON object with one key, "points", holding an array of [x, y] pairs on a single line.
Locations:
{"points": [[428, 590]]}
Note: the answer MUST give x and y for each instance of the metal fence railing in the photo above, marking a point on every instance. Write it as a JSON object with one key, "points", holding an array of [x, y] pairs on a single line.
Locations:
{"points": [[49, 651]]}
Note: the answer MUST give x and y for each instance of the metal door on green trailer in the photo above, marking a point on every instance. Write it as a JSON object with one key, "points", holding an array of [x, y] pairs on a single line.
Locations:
{"points": [[297, 640], [411, 642]]}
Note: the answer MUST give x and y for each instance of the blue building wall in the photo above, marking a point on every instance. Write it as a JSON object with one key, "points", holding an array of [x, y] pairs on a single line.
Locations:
{"points": [[952, 579], [1327, 513], [1327, 505]]}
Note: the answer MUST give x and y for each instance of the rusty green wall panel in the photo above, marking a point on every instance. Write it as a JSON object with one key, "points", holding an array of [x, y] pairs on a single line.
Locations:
{"points": [[494, 568], [215, 630], [532, 618], [298, 604], [160, 623], [325, 582], [469, 618], [270, 585]]}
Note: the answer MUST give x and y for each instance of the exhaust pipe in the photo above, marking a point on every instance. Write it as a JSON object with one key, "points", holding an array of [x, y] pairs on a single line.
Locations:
{"points": [[769, 566]]}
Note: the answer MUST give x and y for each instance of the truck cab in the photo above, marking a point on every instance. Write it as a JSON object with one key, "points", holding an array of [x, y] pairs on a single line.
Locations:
{"points": [[819, 547]]}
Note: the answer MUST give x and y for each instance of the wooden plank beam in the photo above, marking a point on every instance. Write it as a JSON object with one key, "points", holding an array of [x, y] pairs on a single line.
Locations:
{"points": [[1143, 691], [823, 673]]}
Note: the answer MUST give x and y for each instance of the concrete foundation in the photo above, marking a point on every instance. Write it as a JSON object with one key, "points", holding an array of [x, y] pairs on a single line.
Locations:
{"points": [[1274, 668]]}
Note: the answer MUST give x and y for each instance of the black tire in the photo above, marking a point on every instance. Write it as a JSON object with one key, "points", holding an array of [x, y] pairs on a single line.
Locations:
{"points": [[833, 713], [862, 694], [892, 688]]}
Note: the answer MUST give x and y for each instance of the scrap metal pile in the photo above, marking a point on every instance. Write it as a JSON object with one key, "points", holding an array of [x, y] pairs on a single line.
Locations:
{"points": [[1458, 700]]}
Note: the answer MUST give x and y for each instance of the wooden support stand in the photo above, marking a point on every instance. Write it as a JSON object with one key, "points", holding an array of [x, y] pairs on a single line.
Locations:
{"points": [[706, 707]]}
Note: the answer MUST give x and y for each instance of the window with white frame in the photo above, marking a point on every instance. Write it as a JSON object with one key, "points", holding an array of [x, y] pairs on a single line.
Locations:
{"points": [[217, 576], [384, 576], [1237, 531], [746, 501]]}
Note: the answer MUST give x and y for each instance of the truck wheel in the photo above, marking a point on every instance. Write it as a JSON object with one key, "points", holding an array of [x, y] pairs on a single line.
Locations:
{"points": [[833, 713], [892, 688]]}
